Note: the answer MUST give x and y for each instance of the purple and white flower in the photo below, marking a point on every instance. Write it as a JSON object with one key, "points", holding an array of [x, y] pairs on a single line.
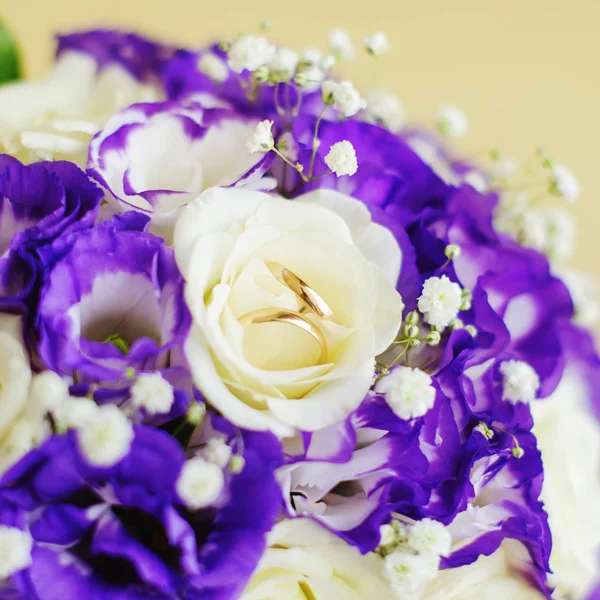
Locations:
{"points": [[155, 158]]}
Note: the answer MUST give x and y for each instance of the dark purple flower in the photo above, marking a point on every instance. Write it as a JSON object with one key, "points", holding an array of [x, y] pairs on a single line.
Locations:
{"points": [[123, 531], [38, 203]]}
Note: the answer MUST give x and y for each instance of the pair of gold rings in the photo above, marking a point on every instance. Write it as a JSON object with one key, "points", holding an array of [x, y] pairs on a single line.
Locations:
{"points": [[311, 301]]}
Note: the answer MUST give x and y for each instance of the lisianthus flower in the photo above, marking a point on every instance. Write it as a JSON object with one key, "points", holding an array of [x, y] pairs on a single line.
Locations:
{"points": [[111, 303], [242, 252], [131, 529], [38, 203], [305, 560], [155, 158], [96, 74]]}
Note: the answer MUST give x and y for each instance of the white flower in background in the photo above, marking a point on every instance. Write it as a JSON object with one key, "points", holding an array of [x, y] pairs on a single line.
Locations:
{"points": [[341, 44], [341, 159], [250, 52], [429, 537], [217, 451], [284, 63], [429, 153], [520, 381], [409, 392], [476, 180], [304, 560], [15, 551], [232, 246], [385, 108], [377, 44], [564, 183], [584, 293], [344, 97], [200, 483], [505, 167], [261, 139], [106, 439], [152, 392], [440, 300], [452, 121], [490, 577], [214, 67], [568, 436], [55, 119], [23, 403]]}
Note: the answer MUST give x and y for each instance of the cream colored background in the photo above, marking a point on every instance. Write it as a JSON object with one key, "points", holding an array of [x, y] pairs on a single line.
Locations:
{"points": [[527, 72]]}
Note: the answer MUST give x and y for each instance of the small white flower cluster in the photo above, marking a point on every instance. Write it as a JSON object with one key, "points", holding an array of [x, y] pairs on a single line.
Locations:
{"points": [[217, 451], [261, 139], [409, 392], [250, 52], [564, 183], [200, 483], [452, 121], [343, 96], [15, 551], [341, 44], [440, 301], [520, 381], [385, 109], [341, 159], [377, 44], [153, 393], [412, 555]]}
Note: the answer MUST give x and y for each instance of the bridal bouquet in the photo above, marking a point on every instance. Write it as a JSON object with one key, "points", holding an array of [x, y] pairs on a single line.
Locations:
{"points": [[262, 341]]}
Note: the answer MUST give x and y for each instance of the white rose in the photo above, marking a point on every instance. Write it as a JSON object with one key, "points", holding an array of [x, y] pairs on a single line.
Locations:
{"points": [[304, 560], [569, 439], [229, 244], [55, 119], [489, 577], [22, 407]]}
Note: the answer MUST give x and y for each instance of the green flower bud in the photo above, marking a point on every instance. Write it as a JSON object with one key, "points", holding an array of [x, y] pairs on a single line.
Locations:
{"points": [[518, 452], [412, 318], [301, 80], [452, 251], [196, 413], [434, 338], [261, 75], [411, 331], [465, 305], [472, 330], [466, 294], [456, 324], [225, 46], [413, 343], [237, 463]]}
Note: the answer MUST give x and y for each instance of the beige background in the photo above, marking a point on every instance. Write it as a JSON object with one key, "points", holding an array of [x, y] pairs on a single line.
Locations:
{"points": [[527, 72]]}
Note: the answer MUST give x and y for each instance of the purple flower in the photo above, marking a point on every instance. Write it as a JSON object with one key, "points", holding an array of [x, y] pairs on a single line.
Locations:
{"points": [[155, 158], [140, 57], [112, 302], [123, 531], [38, 203]]}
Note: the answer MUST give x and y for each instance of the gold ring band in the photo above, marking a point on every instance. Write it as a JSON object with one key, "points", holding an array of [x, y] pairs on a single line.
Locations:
{"points": [[309, 298], [289, 317]]}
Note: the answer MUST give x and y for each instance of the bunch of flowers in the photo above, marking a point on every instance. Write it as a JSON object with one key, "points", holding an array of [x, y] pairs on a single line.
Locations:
{"points": [[261, 341]]}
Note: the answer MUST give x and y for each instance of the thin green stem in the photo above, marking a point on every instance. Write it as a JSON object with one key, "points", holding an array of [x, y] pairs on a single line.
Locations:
{"points": [[316, 141]]}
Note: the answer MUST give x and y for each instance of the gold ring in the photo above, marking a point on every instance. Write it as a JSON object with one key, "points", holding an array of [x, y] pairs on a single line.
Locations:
{"points": [[309, 298], [289, 317]]}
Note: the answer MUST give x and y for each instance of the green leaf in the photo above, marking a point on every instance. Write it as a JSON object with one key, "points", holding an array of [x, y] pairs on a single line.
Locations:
{"points": [[10, 69]]}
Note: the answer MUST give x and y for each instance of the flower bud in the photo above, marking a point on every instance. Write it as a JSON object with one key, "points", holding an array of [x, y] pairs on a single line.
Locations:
{"points": [[237, 463], [261, 75], [411, 331], [196, 413], [452, 251], [412, 318], [465, 305], [301, 80], [433, 338], [472, 330], [456, 324], [413, 343], [518, 452]]}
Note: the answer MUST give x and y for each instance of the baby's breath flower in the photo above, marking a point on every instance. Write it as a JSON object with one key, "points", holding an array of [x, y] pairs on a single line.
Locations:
{"points": [[200, 483], [343, 96], [284, 63], [106, 439], [383, 107], [341, 159], [152, 392], [440, 300], [15, 550], [407, 573], [214, 67], [521, 383], [341, 44], [250, 52], [476, 180], [261, 139], [564, 183], [217, 451], [377, 44], [452, 121], [408, 392], [429, 537]]}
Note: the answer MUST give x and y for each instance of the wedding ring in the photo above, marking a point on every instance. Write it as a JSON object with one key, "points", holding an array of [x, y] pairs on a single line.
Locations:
{"points": [[288, 317], [309, 298]]}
